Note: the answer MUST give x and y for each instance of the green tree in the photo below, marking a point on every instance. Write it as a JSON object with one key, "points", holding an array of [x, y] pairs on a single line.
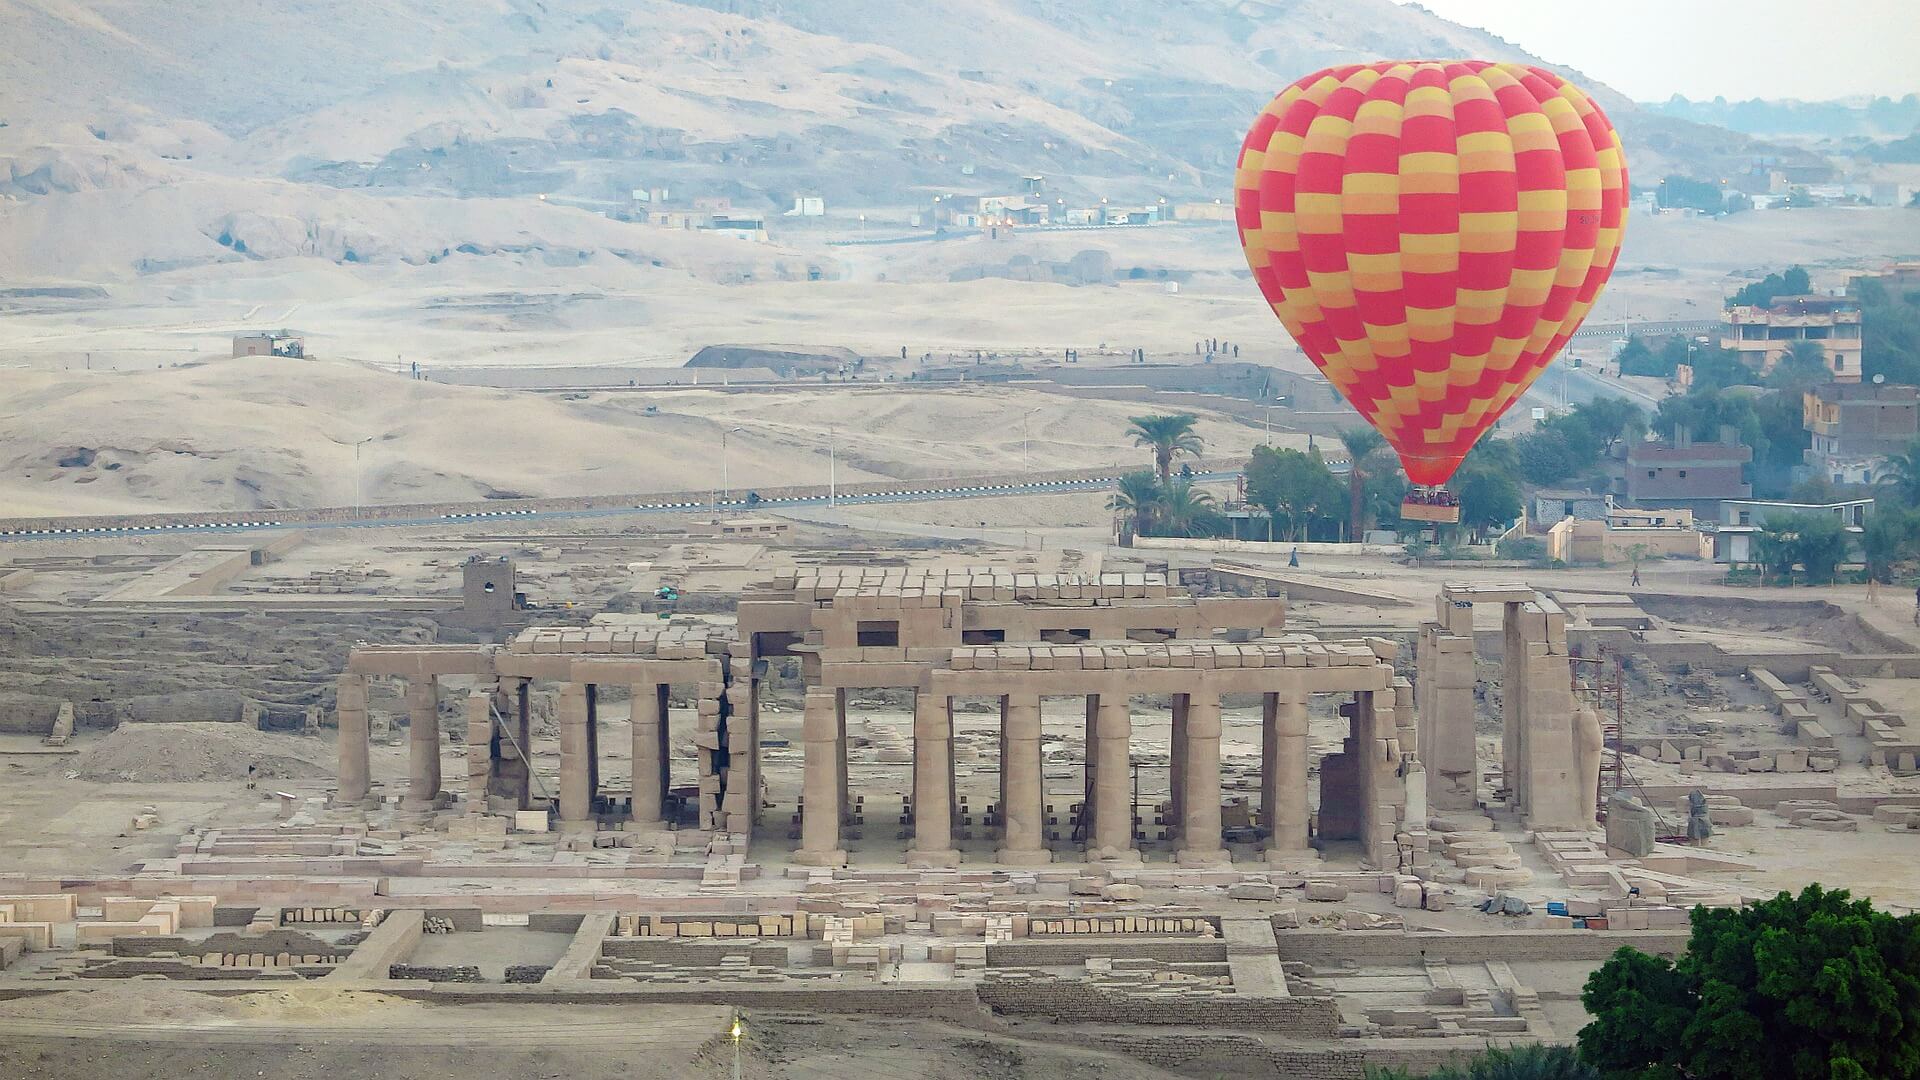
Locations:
{"points": [[1794, 282], [1891, 535], [1810, 987], [1804, 364], [1187, 511], [1902, 475], [1531, 1061], [1892, 347], [1292, 485], [1169, 436], [1363, 445], [1488, 486], [1816, 542], [1140, 495]]}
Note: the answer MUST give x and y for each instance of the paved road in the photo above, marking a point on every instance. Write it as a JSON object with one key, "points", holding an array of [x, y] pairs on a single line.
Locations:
{"points": [[267, 523]]}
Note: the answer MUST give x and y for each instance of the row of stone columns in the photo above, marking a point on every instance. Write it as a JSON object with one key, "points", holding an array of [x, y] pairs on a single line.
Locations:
{"points": [[579, 746], [423, 746], [1110, 799]]}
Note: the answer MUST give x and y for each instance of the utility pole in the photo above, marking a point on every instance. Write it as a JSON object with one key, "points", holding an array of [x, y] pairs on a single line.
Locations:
{"points": [[833, 474], [356, 473], [726, 489]]}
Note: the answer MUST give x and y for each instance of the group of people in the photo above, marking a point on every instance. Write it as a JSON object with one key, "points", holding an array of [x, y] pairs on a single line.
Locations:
{"points": [[1420, 496]]}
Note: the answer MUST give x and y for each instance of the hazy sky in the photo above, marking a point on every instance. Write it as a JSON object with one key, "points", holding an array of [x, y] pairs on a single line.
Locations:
{"points": [[1653, 49]]}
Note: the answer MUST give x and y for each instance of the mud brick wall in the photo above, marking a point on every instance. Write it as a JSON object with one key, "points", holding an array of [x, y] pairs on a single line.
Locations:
{"points": [[272, 943], [456, 973], [527, 973], [684, 953], [1079, 1001], [1057, 952]]}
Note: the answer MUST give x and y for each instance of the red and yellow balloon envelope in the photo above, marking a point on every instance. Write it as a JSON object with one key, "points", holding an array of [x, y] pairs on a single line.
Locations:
{"points": [[1431, 232]]}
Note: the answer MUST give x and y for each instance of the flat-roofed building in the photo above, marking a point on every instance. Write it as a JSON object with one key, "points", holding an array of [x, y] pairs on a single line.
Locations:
{"points": [[1760, 336]]}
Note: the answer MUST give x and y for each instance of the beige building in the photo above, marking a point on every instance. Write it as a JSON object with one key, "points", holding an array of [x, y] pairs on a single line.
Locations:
{"points": [[1761, 335], [1649, 534]]}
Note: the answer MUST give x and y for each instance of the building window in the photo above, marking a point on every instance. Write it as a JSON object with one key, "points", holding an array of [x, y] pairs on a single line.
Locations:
{"points": [[982, 637], [1649, 474], [880, 633], [1746, 518], [1683, 474]]}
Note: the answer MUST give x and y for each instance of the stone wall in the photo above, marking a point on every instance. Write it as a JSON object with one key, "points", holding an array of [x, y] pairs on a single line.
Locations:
{"points": [[1082, 1001], [1332, 947], [1055, 952]]}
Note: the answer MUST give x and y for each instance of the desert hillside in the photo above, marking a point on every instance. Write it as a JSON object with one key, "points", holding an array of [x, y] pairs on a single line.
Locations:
{"points": [[241, 434]]}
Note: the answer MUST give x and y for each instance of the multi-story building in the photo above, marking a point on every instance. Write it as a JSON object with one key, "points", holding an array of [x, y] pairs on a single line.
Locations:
{"points": [[1683, 473], [1762, 335], [1854, 426]]}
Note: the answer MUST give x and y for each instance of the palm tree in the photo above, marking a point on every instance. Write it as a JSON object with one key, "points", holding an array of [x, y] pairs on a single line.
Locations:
{"points": [[1138, 494], [1168, 435], [1902, 474], [1185, 509], [1361, 443]]}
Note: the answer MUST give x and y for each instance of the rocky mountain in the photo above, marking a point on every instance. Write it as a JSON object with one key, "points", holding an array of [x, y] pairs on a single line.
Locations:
{"points": [[359, 130]]}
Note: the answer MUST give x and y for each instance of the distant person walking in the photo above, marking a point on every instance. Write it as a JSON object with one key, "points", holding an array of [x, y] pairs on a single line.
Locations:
{"points": [[251, 769], [1916, 607], [1636, 577], [1873, 589], [1293, 557]]}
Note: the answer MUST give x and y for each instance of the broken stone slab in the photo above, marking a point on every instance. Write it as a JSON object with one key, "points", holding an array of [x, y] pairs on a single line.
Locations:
{"points": [[1325, 892]]}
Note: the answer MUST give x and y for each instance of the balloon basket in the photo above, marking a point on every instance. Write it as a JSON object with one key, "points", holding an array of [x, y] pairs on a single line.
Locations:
{"points": [[1434, 512]]}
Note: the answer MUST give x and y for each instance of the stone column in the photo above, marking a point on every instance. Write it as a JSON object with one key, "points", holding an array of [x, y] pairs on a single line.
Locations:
{"points": [[1112, 837], [932, 782], [1024, 806], [516, 771], [1176, 764], [423, 743], [840, 755], [821, 783], [1446, 711], [1286, 746], [1200, 841], [649, 755], [576, 777], [350, 712], [1549, 752], [479, 746]]}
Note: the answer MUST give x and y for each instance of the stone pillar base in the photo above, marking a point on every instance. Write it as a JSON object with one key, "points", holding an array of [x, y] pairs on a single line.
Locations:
{"points": [[418, 805], [1292, 858], [820, 858], [1117, 856], [588, 826], [1203, 858], [1023, 858], [932, 860]]}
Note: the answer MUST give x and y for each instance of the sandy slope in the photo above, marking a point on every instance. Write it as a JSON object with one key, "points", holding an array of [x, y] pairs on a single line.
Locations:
{"points": [[246, 434]]}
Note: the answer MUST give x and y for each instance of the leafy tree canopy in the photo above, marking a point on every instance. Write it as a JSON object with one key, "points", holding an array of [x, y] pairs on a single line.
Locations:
{"points": [[1817, 986], [1794, 282]]}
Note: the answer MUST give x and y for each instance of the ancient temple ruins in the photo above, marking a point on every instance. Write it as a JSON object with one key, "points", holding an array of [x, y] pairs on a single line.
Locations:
{"points": [[1118, 644]]}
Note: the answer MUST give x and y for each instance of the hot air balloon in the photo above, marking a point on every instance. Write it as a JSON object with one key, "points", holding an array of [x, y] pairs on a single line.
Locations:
{"points": [[1431, 232]]}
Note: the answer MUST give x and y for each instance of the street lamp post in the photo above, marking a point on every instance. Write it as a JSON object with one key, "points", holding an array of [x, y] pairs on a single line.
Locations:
{"points": [[726, 489], [833, 474], [356, 473], [1025, 463]]}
